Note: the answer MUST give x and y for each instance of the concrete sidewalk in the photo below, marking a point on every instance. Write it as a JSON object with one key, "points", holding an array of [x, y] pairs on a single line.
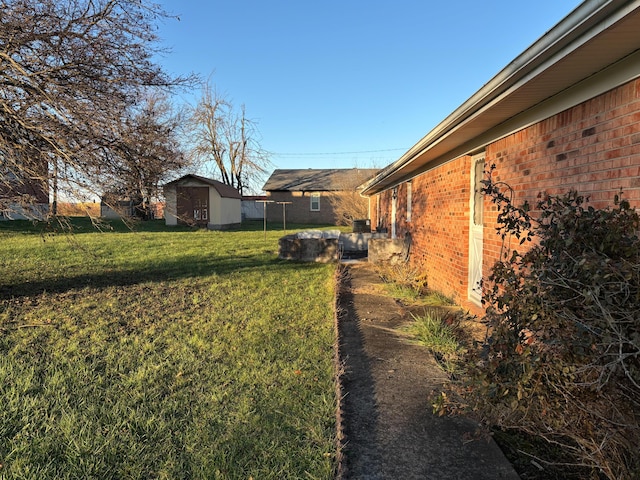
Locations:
{"points": [[389, 431]]}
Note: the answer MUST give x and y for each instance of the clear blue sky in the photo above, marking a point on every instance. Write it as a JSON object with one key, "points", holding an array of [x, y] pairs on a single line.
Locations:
{"points": [[326, 78]]}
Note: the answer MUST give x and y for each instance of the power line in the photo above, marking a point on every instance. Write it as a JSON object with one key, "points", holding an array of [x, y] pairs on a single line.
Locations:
{"points": [[307, 154]]}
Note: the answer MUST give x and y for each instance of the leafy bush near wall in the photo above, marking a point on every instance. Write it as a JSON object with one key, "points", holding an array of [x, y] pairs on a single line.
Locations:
{"points": [[563, 360]]}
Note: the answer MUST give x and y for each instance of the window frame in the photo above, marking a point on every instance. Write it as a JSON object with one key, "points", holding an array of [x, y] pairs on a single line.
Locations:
{"points": [[314, 197]]}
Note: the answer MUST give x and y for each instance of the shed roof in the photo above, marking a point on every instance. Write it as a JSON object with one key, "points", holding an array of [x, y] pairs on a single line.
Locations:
{"points": [[317, 180], [592, 50], [224, 190]]}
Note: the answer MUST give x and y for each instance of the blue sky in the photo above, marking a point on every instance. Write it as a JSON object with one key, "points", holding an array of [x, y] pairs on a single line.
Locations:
{"points": [[338, 84]]}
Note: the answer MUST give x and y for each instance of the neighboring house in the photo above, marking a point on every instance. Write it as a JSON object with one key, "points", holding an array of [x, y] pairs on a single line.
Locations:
{"points": [[23, 198], [563, 115], [307, 193], [195, 200], [113, 206]]}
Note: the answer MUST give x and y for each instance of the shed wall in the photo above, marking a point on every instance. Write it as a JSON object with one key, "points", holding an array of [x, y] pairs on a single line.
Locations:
{"points": [[170, 212], [228, 212]]}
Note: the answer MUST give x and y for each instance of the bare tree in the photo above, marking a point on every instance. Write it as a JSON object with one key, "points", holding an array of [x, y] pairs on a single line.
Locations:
{"points": [[227, 141], [347, 203], [147, 153], [69, 72], [348, 206]]}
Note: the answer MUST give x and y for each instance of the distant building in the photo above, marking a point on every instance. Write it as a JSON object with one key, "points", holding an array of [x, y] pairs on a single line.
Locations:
{"points": [[308, 193], [23, 197], [113, 206], [253, 207]]}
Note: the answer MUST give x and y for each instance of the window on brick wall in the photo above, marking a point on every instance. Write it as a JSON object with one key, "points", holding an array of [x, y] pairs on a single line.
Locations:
{"points": [[409, 193], [315, 202]]}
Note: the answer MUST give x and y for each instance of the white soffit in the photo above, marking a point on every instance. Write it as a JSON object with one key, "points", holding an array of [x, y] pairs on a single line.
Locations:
{"points": [[578, 55]]}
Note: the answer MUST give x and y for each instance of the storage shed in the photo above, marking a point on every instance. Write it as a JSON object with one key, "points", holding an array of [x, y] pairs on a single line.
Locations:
{"points": [[195, 200]]}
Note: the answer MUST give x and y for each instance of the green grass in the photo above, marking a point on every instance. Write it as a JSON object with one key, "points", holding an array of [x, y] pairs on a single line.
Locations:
{"points": [[409, 294], [163, 353], [438, 334], [434, 333], [404, 293]]}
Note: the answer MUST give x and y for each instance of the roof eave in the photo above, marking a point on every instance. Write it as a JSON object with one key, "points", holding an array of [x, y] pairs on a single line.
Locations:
{"points": [[581, 25]]}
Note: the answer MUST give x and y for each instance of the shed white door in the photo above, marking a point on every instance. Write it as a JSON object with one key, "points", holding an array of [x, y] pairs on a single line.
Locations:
{"points": [[476, 231]]}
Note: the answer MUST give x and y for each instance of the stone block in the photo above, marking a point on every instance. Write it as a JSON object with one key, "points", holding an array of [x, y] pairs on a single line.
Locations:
{"points": [[386, 250]]}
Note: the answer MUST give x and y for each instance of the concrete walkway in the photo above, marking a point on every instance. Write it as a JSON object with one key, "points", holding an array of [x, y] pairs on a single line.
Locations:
{"points": [[389, 431]]}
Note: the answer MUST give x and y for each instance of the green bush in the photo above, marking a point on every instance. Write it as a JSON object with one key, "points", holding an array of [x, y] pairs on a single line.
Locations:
{"points": [[563, 359]]}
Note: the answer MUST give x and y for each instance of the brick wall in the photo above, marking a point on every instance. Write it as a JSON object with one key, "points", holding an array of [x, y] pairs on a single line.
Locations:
{"points": [[299, 211], [439, 224], [593, 147]]}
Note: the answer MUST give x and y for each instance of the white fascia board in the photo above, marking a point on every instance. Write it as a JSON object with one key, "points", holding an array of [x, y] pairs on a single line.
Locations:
{"points": [[581, 25]]}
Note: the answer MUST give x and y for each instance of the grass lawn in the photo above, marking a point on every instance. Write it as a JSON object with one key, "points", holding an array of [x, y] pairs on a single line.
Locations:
{"points": [[165, 353]]}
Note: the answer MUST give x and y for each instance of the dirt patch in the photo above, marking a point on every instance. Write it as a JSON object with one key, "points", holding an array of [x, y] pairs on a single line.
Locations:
{"points": [[388, 430]]}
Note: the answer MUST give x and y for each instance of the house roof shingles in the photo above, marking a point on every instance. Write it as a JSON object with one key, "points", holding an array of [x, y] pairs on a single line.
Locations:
{"points": [[317, 180], [224, 190]]}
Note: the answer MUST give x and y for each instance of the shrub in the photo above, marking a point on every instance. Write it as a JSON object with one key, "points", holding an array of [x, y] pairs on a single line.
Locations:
{"points": [[409, 280], [563, 359]]}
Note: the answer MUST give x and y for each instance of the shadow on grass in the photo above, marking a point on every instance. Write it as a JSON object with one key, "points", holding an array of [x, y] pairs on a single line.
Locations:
{"points": [[188, 266], [80, 225]]}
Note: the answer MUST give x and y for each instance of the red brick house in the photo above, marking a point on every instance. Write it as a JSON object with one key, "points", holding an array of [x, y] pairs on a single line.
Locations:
{"points": [[25, 197], [307, 193], [565, 114]]}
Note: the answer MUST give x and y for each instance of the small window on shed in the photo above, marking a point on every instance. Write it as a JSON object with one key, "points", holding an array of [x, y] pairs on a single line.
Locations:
{"points": [[315, 202]]}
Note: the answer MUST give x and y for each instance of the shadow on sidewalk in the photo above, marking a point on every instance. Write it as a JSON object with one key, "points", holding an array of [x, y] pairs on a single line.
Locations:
{"points": [[389, 429]]}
